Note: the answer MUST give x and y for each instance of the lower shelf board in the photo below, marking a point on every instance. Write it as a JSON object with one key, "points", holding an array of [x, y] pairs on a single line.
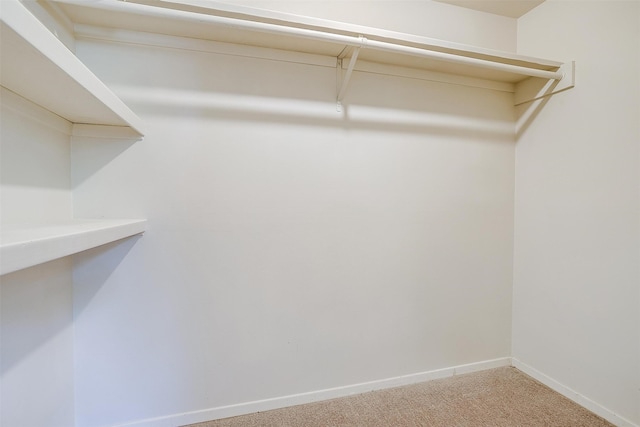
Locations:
{"points": [[26, 245]]}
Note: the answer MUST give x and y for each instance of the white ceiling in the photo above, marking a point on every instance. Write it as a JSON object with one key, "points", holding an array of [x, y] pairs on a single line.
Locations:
{"points": [[510, 8]]}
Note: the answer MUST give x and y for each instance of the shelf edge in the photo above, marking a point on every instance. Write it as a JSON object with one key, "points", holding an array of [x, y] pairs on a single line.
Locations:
{"points": [[69, 238], [35, 34]]}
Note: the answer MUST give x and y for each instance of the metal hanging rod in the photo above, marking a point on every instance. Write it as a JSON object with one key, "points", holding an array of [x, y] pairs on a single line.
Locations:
{"points": [[180, 10]]}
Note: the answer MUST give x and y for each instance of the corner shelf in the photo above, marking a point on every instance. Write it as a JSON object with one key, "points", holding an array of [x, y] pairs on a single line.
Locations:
{"points": [[26, 245], [39, 67]]}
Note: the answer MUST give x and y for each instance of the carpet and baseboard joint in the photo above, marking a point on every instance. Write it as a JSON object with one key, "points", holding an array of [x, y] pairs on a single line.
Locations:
{"points": [[500, 397]]}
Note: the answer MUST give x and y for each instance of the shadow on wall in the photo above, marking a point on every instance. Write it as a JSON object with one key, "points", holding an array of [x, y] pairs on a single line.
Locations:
{"points": [[37, 304], [200, 105], [195, 85], [37, 345], [527, 112], [32, 137], [92, 269], [104, 151], [36, 309]]}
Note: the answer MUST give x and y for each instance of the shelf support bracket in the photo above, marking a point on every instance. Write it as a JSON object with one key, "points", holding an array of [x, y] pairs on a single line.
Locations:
{"points": [[534, 89], [345, 81]]}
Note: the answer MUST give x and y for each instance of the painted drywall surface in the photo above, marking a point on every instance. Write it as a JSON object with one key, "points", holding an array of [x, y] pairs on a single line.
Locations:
{"points": [[423, 18], [36, 321], [35, 162], [36, 338], [577, 285], [290, 248]]}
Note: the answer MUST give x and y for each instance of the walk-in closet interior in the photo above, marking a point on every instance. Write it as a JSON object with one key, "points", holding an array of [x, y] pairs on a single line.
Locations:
{"points": [[211, 209]]}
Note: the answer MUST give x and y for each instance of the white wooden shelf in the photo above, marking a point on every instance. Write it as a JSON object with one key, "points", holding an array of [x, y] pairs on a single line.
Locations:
{"points": [[39, 67], [26, 245], [227, 23]]}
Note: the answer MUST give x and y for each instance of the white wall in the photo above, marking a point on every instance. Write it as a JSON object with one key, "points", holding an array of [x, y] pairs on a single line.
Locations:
{"points": [[37, 346], [290, 248], [576, 314], [36, 334], [35, 161], [423, 18]]}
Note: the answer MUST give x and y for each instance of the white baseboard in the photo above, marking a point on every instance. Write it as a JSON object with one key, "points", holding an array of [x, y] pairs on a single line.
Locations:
{"points": [[581, 400], [314, 396]]}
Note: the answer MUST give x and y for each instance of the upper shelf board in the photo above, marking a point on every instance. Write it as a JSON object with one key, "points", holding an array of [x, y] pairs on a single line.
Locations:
{"points": [[248, 26], [23, 246], [40, 68]]}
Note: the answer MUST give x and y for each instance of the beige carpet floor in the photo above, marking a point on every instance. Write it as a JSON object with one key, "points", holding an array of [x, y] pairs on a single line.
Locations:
{"points": [[496, 397]]}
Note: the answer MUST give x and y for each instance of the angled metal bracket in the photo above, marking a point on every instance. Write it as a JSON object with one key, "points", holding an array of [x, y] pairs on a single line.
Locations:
{"points": [[345, 80], [533, 89]]}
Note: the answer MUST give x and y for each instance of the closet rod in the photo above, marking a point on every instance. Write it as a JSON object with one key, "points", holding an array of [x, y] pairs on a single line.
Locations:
{"points": [[354, 41], [176, 12]]}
